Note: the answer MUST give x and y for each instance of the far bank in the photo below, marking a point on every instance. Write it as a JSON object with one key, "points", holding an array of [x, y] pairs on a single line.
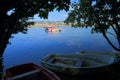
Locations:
{"points": [[49, 23]]}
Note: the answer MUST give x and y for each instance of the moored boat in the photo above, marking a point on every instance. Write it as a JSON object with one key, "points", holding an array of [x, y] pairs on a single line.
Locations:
{"points": [[29, 71], [78, 64], [52, 29]]}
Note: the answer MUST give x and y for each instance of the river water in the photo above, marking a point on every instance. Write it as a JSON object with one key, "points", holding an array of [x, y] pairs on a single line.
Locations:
{"points": [[37, 43]]}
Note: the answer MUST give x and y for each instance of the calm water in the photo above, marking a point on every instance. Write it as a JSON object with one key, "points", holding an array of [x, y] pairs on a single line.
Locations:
{"points": [[37, 43]]}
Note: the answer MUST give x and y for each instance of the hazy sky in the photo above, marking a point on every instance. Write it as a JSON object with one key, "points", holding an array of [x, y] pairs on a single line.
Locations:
{"points": [[55, 15]]}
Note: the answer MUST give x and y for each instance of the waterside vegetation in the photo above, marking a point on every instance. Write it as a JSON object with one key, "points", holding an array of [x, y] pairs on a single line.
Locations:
{"points": [[49, 23]]}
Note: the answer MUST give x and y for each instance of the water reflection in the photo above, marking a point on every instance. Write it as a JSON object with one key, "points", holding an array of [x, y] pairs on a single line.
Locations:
{"points": [[37, 43], [52, 33]]}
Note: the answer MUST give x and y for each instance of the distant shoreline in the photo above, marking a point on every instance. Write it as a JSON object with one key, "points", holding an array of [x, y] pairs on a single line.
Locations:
{"points": [[49, 23]]}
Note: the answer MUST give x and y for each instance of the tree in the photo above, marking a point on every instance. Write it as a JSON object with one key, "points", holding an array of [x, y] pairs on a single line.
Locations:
{"points": [[14, 15], [98, 14]]}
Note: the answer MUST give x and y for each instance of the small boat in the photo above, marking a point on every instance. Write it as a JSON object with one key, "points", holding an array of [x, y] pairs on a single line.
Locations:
{"points": [[52, 29], [78, 64], [29, 71]]}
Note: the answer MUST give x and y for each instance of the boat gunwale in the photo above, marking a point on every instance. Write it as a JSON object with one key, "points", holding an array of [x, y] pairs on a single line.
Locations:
{"points": [[90, 67], [47, 74]]}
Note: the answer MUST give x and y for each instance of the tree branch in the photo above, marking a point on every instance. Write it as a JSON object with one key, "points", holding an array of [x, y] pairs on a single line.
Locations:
{"points": [[111, 42]]}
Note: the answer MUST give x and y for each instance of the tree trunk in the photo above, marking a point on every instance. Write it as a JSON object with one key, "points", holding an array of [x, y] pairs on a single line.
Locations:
{"points": [[5, 34], [113, 46], [117, 32]]}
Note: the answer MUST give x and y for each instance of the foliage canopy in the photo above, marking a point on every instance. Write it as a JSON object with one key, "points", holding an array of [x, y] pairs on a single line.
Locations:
{"points": [[22, 10], [98, 14], [14, 15]]}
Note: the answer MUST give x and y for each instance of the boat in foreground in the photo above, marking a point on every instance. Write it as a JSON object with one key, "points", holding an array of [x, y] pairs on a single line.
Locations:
{"points": [[78, 64], [29, 71], [115, 53]]}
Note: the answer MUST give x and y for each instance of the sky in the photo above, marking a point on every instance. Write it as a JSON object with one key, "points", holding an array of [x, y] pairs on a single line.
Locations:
{"points": [[54, 16]]}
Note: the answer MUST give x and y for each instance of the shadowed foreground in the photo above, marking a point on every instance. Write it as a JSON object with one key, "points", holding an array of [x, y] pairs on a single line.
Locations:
{"points": [[102, 76]]}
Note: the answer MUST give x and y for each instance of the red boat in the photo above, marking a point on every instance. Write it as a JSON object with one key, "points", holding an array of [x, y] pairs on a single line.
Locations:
{"points": [[52, 29], [29, 71]]}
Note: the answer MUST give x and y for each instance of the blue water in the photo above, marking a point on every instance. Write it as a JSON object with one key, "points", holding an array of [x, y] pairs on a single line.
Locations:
{"points": [[37, 43]]}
